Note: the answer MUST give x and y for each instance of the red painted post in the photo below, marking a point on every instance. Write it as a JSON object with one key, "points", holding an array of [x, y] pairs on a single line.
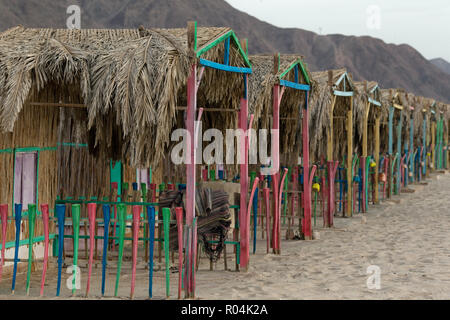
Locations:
{"points": [[275, 154], [190, 163], [307, 231], [277, 249], [244, 229], [45, 220], [92, 207], [136, 219], [4, 218]]}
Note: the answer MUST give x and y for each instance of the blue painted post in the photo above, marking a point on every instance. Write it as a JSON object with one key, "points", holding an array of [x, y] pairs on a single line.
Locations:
{"points": [[106, 221], [151, 226], [424, 142], [61, 216], [391, 130], [18, 221], [399, 151]]}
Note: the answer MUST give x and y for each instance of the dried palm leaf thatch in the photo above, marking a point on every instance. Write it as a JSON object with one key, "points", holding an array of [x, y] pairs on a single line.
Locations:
{"points": [[130, 80], [366, 90], [261, 85], [320, 106]]}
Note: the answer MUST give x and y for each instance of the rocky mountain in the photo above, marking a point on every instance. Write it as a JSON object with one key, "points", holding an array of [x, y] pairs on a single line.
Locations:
{"points": [[366, 58], [441, 64]]}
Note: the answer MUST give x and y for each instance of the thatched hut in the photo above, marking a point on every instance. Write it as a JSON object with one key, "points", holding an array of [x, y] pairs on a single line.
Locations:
{"points": [[279, 86], [78, 99], [399, 111], [331, 108], [368, 115]]}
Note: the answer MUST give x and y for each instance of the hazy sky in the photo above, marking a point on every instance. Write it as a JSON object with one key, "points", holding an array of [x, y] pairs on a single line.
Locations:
{"points": [[425, 25]]}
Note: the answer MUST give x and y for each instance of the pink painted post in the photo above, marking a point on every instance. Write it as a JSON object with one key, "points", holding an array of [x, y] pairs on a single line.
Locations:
{"points": [[136, 218], [332, 168], [244, 229], [190, 165], [278, 234], [92, 207], [179, 215], [45, 220], [275, 154], [307, 231], [364, 178], [4, 218]]}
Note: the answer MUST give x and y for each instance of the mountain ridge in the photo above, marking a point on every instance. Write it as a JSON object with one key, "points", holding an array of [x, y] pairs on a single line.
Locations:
{"points": [[365, 57]]}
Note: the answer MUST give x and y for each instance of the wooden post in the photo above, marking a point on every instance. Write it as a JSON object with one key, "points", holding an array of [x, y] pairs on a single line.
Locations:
{"points": [[76, 213], [364, 154], [447, 153], [377, 156], [433, 146], [331, 164], [4, 220], [31, 225], [243, 169], [45, 221], [399, 152], [190, 126], [349, 156], [390, 147], [92, 208], [331, 132], [307, 228], [411, 148]]}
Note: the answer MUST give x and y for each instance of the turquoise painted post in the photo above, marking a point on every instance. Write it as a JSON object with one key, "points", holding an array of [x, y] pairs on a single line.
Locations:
{"points": [[390, 179], [399, 151], [424, 142], [391, 129]]}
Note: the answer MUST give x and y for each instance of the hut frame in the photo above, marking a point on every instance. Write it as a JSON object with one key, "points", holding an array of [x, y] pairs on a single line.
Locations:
{"points": [[278, 91], [193, 83], [346, 91]]}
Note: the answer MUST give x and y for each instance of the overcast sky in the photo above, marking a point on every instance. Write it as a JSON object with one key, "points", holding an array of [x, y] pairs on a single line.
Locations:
{"points": [[425, 25]]}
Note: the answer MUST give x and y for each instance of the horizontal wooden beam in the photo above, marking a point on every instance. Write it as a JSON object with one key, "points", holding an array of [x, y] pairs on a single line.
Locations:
{"points": [[181, 108], [372, 101], [224, 67], [343, 93], [298, 86], [63, 105]]}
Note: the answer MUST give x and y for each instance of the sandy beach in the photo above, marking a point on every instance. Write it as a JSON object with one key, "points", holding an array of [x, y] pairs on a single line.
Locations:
{"points": [[407, 238]]}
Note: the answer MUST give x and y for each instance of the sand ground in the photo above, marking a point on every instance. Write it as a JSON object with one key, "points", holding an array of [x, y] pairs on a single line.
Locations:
{"points": [[408, 239]]}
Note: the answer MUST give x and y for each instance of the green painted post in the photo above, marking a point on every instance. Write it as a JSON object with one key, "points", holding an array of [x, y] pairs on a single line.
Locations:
{"points": [[31, 221], [76, 209], [121, 212], [166, 221]]}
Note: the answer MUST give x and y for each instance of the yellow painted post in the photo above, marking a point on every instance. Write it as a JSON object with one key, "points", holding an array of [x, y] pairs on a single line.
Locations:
{"points": [[377, 155], [365, 129], [349, 157]]}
